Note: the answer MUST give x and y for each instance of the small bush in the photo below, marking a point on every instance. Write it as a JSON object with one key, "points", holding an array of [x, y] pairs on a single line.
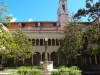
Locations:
{"points": [[28, 71], [54, 72], [62, 70]]}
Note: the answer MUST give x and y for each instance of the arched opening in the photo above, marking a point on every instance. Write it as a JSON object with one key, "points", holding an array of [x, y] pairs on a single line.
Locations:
{"points": [[10, 63], [49, 42], [54, 58], [62, 62], [28, 61], [92, 59], [43, 56], [29, 39], [36, 58], [57, 42], [41, 42], [33, 42], [53, 42], [37, 42], [98, 58], [63, 8], [79, 61]]}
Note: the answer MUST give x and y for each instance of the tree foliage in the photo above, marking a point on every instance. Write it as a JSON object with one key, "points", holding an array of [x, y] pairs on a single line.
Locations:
{"points": [[24, 48], [12, 45], [6, 44], [4, 17], [93, 36], [92, 10], [71, 43], [6, 40]]}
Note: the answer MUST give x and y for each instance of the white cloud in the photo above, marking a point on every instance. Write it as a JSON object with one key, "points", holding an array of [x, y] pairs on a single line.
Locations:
{"points": [[13, 19], [30, 20]]}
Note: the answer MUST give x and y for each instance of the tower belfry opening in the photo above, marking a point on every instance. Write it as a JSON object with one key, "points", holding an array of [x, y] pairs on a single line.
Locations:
{"points": [[63, 8]]}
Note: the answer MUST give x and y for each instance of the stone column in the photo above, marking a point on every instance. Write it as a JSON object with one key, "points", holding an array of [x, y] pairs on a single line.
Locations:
{"points": [[85, 60], [49, 57], [41, 57], [95, 59], [58, 60]]}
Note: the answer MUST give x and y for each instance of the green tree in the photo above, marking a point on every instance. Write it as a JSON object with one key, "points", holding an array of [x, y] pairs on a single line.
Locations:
{"points": [[93, 36], [6, 44], [71, 43], [4, 17], [91, 9], [24, 48], [6, 41]]}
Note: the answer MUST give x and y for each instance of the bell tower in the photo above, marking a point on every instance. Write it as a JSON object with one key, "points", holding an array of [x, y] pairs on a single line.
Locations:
{"points": [[63, 14]]}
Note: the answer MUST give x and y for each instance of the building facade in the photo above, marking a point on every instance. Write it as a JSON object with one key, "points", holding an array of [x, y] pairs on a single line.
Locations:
{"points": [[53, 31]]}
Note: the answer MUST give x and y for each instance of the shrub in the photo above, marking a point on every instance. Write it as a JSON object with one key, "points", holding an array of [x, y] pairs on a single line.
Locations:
{"points": [[28, 71], [62, 70]]}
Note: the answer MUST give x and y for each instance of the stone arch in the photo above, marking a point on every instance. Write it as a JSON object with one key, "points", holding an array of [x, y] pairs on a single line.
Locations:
{"points": [[49, 42], [54, 58], [36, 58], [53, 42], [43, 56], [41, 42], [37, 42]]}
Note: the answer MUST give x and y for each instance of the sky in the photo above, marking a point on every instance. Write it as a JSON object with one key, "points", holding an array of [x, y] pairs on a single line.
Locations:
{"points": [[39, 10]]}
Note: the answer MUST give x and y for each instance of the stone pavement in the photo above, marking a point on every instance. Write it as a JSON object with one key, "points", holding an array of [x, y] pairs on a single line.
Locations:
{"points": [[8, 72], [5, 72]]}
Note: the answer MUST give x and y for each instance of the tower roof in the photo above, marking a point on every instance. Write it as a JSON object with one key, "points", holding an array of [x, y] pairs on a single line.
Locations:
{"points": [[62, 0]]}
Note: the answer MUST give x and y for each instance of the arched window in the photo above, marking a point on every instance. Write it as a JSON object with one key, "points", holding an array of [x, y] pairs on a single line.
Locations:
{"points": [[29, 39], [33, 42], [49, 42], [57, 42], [53, 42], [37, 42], [41, 42]]}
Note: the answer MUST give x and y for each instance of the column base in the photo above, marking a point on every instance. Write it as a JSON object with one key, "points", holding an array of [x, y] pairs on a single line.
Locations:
{"points": [[46, 65]]}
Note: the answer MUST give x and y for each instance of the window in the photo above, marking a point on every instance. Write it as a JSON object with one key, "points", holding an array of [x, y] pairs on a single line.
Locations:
{"points": [[57, 42], [54, 24], [53, 42], [37, 42], [23, 25], [41, 42], [49, 42], [29, 39], [36, 24]]}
